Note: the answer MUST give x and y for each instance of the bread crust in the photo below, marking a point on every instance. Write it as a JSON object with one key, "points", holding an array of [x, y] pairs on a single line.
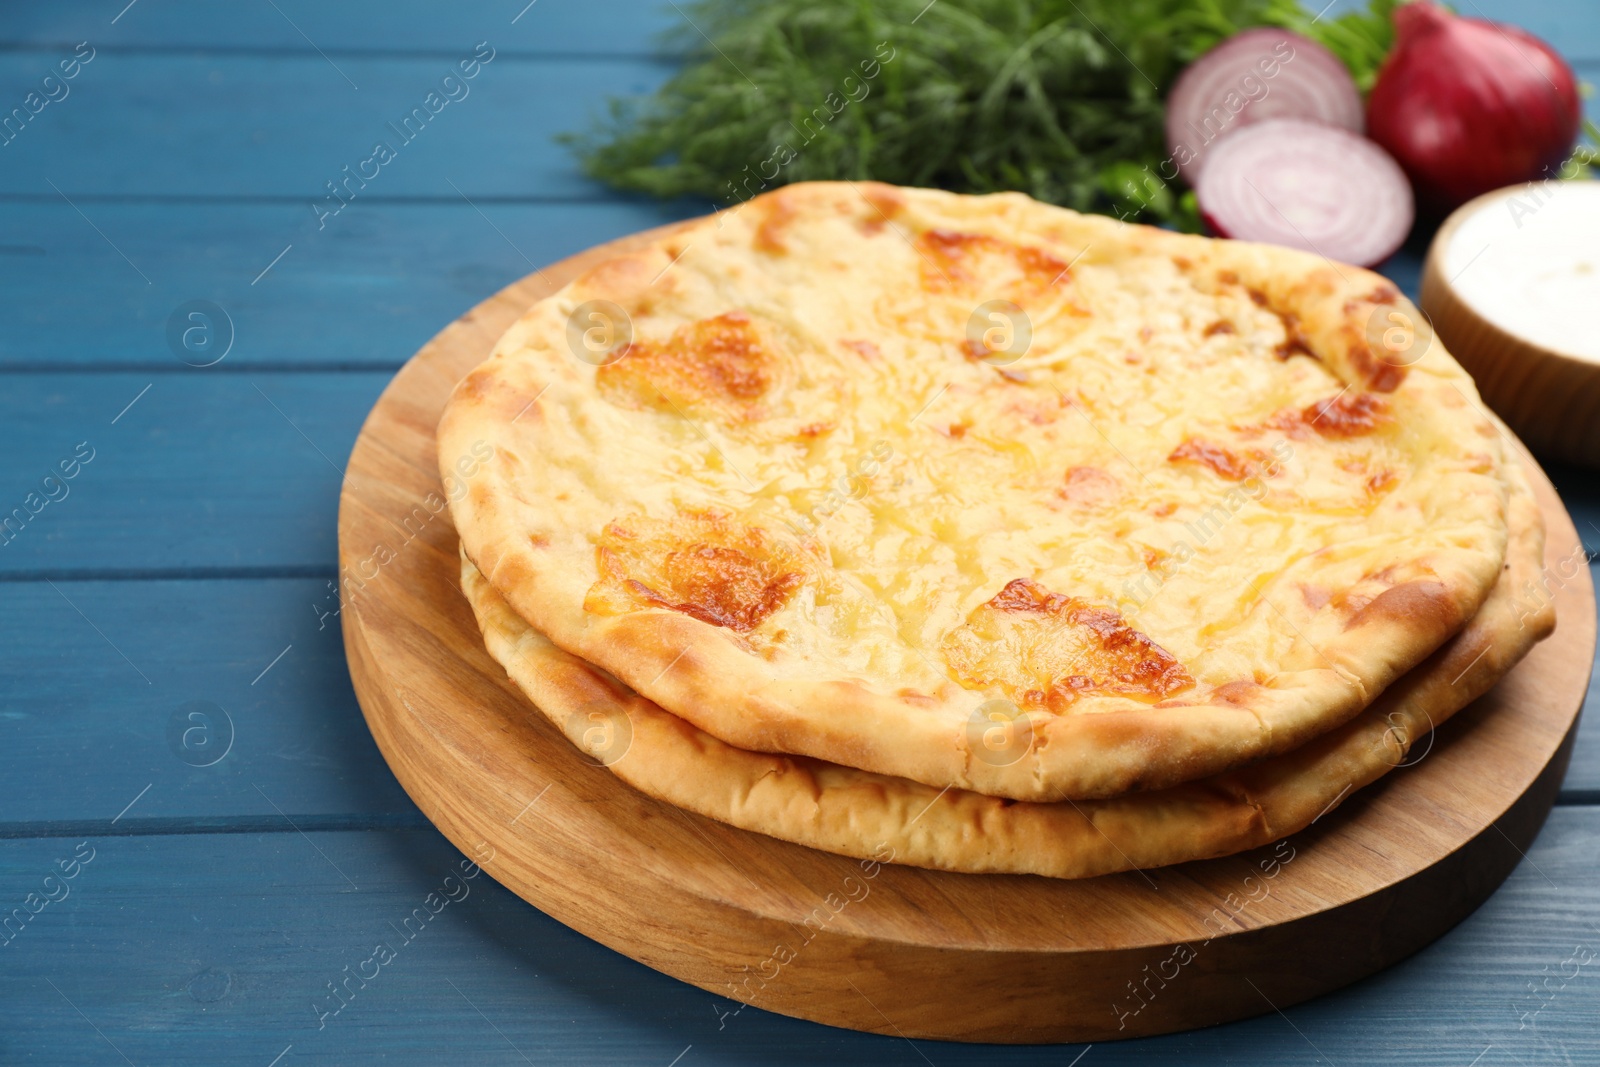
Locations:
{"points": [[694, 431]]}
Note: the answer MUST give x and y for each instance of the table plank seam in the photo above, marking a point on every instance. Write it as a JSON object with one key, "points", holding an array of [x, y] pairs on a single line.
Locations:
{"points": [[299, 200], [290, 52], [175, 368], [287, 572], [183, 825]]}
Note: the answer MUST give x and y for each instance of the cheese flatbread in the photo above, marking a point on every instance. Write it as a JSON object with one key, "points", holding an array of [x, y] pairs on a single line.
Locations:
{"points": [[981, 492]]}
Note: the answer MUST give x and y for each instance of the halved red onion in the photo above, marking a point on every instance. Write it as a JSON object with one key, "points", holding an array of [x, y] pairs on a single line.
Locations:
{"points": [[1309, 186], [1253, 76]]}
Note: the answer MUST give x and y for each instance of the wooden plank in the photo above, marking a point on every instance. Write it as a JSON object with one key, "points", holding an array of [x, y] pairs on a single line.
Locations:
{"points": [[200, 470], [368, 290], [283, 125], [1582, 784], [1580, 491], [219, 949], [601, 26], [225, 698], [73, 700], [609, 27]]}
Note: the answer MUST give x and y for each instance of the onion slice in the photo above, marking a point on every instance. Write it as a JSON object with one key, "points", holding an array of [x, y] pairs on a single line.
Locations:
{"points": [[1308, 186], [1251, 77]]}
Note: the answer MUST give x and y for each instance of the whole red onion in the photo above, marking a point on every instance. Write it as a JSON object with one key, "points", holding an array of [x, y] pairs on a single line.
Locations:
{"points": [[1467, 106]]}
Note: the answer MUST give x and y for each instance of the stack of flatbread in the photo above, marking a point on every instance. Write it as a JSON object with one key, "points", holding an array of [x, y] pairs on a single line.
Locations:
{"points": [[1002, 537]]}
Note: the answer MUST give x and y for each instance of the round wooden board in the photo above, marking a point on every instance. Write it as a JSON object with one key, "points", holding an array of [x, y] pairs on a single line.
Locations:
{"points": [[899, 950]]}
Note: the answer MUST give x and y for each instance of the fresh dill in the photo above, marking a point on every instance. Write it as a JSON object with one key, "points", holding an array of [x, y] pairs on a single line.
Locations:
{"points": [[1061, 99]]}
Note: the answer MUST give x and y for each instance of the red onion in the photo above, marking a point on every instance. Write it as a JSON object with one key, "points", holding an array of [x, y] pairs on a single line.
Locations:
{"points": [[1309, 186], [1467, 106], [1256, 75]]}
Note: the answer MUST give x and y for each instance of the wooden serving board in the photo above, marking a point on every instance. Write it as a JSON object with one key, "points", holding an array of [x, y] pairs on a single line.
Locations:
{"points": [[899, 950]]}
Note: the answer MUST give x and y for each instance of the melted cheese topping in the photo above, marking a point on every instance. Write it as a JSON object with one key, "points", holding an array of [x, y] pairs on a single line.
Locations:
{"points": [[804, 446]]}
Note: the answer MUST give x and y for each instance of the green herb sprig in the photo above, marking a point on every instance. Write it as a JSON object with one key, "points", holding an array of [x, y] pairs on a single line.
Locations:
{"points": [[1361, 39], [1061, 99]]}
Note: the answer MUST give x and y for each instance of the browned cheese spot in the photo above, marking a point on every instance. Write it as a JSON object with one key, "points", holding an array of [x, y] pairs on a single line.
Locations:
{"points": [[883, 204], [1294, 340], [1090, 487], [719, 363], [1226, 462], [1346, 415], [1378, 373], [702, 564], [630, 280], [777, 215], [1046, 650], [1238, 693], [1382, 481], [1373, 367], [482, 383], [961, 260]]}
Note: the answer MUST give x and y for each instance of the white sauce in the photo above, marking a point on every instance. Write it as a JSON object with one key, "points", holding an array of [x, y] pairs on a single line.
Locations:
{"points": [[1529, 263]]}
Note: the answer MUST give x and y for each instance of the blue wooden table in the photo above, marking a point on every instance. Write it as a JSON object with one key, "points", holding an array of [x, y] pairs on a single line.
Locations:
{"points": [[198, 839]]}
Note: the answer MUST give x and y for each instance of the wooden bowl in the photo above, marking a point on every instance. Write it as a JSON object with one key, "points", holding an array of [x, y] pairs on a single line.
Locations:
{"points": [[1550, 397]]}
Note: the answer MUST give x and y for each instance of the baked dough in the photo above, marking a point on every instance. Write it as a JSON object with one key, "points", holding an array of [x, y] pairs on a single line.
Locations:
{"points": [[857, 813], [982, 492]]}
